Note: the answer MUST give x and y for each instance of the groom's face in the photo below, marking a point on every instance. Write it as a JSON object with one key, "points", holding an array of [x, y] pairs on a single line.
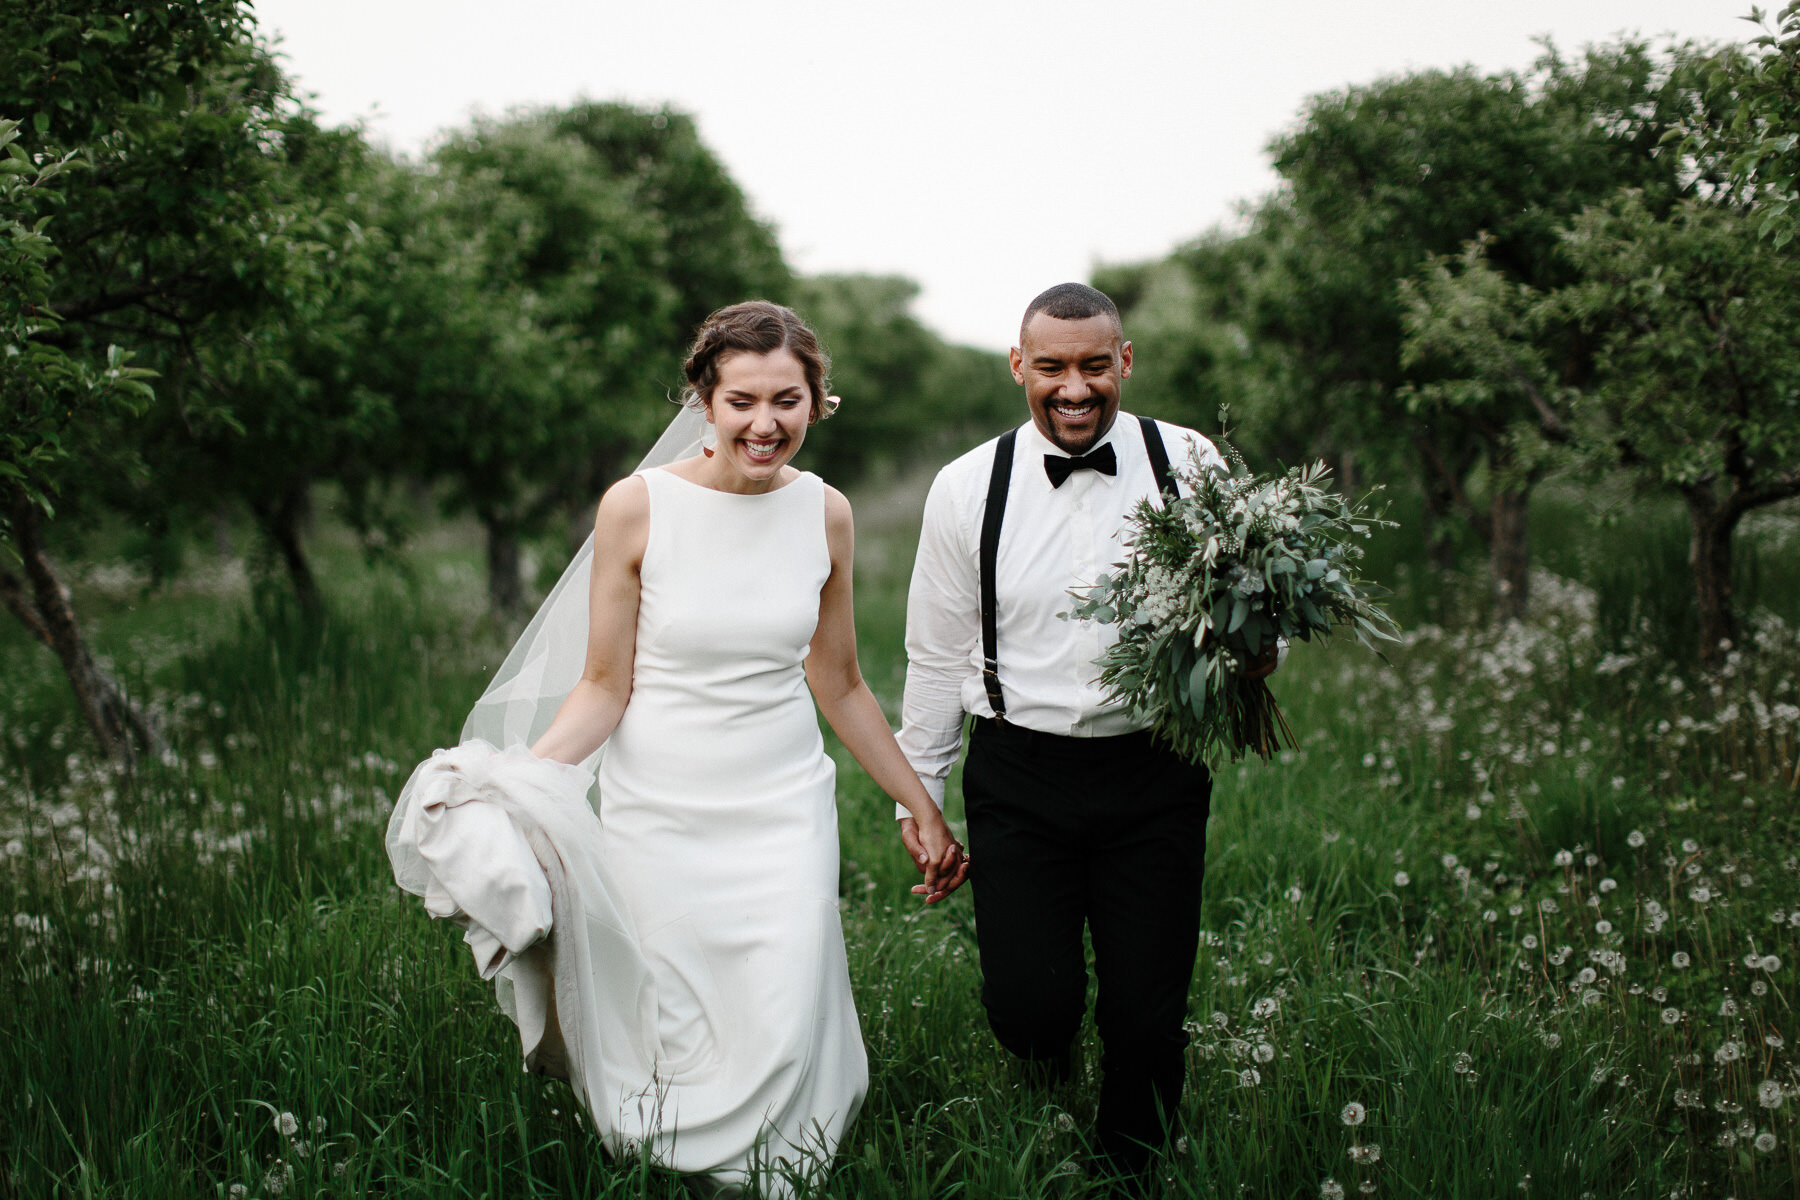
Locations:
{"points": [[1073, 372]]}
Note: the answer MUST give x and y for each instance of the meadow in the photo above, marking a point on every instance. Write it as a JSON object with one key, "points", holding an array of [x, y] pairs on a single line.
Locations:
{"points": [[1519, 916]]}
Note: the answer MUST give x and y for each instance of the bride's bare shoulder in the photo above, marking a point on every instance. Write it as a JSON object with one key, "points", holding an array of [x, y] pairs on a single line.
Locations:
{"points": [[626, 503]]}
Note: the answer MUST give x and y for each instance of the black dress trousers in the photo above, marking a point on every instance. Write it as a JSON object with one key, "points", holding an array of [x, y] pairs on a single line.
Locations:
{"points": [[1109, 833]]}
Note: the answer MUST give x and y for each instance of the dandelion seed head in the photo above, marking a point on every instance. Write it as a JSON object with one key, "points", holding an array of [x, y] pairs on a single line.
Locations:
{"points": [[1765, 1142], [1354, 1114], [287, 1124], [1634, 839], [1331, 1189], [1671, 1016], [1401, 879], [1680, 960], [1769, 1093]]}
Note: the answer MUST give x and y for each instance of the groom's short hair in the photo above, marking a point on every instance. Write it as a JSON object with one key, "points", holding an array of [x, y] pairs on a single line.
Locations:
{"points": [[1071, 302]]}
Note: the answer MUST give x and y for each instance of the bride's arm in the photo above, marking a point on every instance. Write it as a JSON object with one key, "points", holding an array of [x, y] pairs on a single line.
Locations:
{"points": [[850, 708], [592, 710]]}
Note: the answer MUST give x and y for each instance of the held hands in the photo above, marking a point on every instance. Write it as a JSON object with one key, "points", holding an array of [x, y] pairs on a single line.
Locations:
{"points": [[937, 855]]}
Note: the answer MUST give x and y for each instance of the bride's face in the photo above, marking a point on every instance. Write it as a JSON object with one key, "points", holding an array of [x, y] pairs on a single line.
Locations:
{"points": [[759, 411]]}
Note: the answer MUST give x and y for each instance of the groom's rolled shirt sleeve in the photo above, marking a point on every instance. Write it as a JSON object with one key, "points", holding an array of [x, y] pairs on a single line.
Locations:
{"points": [[943, 623]]}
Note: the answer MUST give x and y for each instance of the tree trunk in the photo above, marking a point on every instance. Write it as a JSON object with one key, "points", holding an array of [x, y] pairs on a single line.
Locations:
{"points": [[221, 526], [1710, 527], [1509, 552], [1440, 502], [506, 586], [281, 518], [42, 605]]}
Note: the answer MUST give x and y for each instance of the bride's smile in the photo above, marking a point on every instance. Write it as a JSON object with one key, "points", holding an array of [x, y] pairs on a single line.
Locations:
{"points": [[759, 412]]}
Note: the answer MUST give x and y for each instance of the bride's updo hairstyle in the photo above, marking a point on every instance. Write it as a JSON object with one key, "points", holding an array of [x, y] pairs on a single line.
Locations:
{"points": [[756, 327]]}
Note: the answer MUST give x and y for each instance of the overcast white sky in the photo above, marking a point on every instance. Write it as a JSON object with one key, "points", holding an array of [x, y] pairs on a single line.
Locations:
{"points": [[985, 148]]}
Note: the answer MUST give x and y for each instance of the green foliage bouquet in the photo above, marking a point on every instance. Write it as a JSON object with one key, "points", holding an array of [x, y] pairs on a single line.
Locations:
{"points": [[1212, 581]]}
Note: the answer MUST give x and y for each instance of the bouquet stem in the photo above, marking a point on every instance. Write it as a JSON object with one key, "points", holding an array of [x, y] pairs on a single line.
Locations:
{"points": [[1261, 726]]}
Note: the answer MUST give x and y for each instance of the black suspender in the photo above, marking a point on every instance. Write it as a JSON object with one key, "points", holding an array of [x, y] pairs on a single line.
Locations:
{"points": [[1159, 457], [998, 484], [990, 550]]}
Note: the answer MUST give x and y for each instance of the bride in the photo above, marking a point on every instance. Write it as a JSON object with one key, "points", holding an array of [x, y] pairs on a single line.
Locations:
{"points": [[694, 987]]}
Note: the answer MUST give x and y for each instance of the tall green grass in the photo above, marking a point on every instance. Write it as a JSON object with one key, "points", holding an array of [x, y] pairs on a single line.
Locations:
{"points": [[214, 984]]}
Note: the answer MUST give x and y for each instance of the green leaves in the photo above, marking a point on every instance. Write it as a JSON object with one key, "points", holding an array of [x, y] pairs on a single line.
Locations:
{"points": [[1203, 605]]}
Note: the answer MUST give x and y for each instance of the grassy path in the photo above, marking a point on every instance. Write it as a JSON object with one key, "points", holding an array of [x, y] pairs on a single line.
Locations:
{"points": [[1519, 917]]}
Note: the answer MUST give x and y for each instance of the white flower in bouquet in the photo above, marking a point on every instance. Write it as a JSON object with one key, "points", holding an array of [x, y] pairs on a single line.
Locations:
{"points": [[1213, 582]]}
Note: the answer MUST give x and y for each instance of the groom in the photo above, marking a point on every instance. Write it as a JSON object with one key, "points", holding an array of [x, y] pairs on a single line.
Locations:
{"points": [[1076, 816]]}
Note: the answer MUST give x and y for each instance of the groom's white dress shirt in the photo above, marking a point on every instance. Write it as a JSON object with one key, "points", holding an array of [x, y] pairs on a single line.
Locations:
{"points": [[1052, 540]]}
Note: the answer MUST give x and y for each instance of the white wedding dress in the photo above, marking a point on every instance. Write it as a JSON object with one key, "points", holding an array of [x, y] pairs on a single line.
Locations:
{"points": [[694, 986]]}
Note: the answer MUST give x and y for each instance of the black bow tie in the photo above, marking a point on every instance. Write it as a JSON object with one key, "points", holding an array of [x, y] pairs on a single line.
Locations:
{"points": [[1059, 468]]}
